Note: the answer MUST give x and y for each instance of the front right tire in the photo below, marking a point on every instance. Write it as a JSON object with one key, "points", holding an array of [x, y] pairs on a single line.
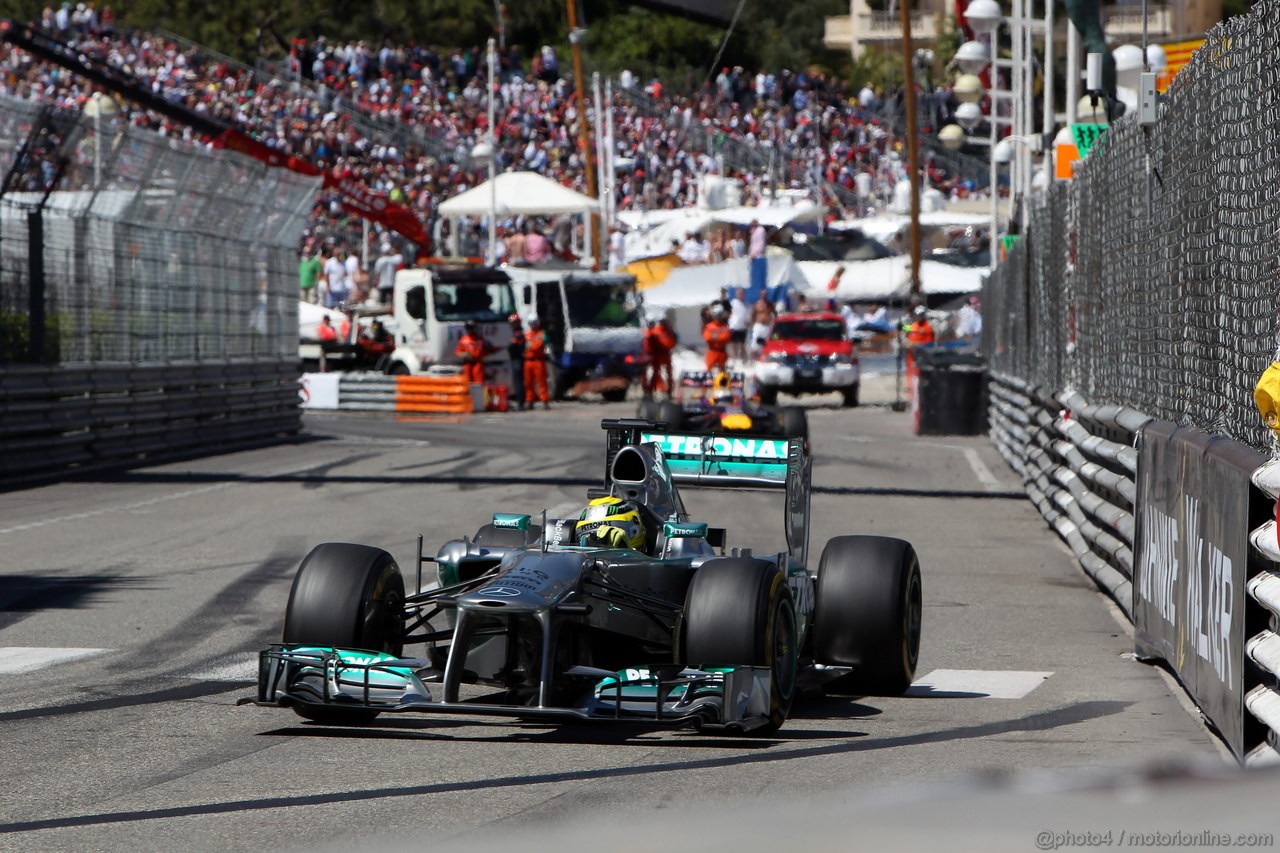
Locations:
{"points": [[350, 597]]}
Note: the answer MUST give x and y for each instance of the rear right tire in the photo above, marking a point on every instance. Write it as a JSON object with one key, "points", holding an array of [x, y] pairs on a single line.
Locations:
{"points": [[795, 422]]}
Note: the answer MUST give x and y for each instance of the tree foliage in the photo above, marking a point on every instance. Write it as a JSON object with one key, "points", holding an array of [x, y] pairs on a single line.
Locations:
{"points": [[620, 34]]}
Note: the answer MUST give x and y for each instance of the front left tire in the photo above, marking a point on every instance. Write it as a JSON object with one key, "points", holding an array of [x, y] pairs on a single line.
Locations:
{"points": [[868, 613], [739, 612]]}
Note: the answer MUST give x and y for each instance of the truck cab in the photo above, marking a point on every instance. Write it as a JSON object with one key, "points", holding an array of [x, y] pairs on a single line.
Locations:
{"points": [[592, 324], [431, 307]]}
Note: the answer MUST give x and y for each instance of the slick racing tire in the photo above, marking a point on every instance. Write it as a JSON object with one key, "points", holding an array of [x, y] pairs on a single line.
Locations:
{"points": [[795, 423], [614, 395], [739, 612], [850, 395], [671, 414], [768, 396], [647, 410], [351, 597], [868, 613], [558, 383]]}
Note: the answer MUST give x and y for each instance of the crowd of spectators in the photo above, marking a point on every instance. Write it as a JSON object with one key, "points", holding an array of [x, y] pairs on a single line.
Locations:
{"points": [[312, 103]]}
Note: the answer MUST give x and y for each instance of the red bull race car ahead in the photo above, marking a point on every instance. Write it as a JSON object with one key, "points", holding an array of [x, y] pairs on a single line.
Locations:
{"points": [[631, 611], [719, 402]]}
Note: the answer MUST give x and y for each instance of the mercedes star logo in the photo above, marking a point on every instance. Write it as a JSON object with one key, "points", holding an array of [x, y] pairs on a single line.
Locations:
{"points": [[500, 592]]}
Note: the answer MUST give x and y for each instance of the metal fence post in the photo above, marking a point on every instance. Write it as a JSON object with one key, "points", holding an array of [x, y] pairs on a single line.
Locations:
{"points": [[35, 293]]}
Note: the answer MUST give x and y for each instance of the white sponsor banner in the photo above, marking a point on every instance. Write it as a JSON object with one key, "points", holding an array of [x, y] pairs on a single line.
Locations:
{"points": [[318, 390]]}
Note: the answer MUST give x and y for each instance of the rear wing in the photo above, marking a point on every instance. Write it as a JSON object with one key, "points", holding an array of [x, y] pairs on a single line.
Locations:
{"points": [[735, 461], [707, 378]]}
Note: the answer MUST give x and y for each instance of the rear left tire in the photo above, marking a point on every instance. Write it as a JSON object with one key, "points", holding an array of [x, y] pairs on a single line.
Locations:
{"points": [[671, 414], [614, 395]]}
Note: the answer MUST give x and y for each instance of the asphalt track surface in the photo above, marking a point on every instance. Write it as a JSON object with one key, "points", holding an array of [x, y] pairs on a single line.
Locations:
{"points": [[132, 606]]}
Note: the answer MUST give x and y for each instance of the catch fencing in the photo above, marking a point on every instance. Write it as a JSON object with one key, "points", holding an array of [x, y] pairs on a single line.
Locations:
{"points": [[120, 246], [1140, 306], [1150, 280]]}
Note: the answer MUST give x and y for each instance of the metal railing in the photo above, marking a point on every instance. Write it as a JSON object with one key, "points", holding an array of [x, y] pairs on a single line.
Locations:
{"points": [[66, 419], [1078, 465]]}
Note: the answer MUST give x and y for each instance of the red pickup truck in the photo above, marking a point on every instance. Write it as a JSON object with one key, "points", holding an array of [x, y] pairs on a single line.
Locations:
{"points": [[808, 353]]}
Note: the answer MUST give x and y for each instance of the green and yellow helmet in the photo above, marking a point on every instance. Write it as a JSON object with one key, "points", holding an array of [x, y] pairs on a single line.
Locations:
{"points": [[611, 523]]}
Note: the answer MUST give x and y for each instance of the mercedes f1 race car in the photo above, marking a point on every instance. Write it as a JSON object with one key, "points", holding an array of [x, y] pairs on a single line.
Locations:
{"points": [[631, 612], [708, 402]]}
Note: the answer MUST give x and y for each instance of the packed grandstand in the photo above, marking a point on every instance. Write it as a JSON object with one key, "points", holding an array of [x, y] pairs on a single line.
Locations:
{"points": [[402, 120]]}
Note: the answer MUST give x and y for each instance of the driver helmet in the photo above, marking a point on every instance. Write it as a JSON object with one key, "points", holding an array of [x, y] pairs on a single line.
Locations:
{"points": [[611, 522], [722, 387], [514, 320]]}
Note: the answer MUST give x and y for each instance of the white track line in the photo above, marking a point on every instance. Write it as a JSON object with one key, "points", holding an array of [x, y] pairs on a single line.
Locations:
{"points": [[977, 683], [129, 507], [979, 468], [16, 659]]}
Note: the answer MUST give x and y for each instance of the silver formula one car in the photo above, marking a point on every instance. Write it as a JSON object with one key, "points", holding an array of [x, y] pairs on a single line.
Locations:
{"points": [[664, 629]]}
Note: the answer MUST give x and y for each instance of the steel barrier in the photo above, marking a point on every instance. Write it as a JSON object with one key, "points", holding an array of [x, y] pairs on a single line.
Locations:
{"points": [[1078, 465], [59, 420]]}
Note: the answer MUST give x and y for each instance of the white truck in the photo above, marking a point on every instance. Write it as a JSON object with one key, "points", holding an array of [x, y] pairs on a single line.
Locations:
{"points": [[593, 325], [431, 306]]}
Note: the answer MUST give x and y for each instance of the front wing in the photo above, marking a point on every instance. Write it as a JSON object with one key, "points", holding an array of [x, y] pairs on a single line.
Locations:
{"points": [[358, 680]]}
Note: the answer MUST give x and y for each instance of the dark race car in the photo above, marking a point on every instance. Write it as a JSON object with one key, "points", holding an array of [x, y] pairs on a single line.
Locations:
{"points": [[718, 402], [658, 626]]}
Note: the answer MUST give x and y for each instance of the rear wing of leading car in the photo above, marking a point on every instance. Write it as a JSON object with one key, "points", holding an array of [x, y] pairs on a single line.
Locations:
{"points": [[736, 461]]}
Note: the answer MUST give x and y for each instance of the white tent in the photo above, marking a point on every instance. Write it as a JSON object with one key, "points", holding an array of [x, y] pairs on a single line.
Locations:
{"points": [[519, 193], [887, 226], [688, 289], [652, 233], [889, 278]]}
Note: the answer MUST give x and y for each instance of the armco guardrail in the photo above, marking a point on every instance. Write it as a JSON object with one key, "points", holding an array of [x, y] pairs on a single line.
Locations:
{"points": [[56, 420], [1078, 466]]}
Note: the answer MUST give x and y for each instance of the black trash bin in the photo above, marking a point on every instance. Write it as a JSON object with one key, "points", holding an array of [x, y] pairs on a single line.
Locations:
{"points": [[952, 392]]}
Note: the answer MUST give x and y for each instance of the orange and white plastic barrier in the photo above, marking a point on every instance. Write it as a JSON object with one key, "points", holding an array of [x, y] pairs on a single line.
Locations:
{"points": [[449, 395], [376, 392]]}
